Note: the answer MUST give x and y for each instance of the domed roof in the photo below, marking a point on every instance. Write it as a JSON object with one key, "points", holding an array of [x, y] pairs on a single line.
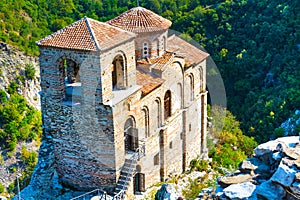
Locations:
{"points": [[139, 20]]}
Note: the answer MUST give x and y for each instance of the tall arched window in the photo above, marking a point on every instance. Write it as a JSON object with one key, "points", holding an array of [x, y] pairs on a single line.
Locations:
{"points": [[167, 104], [119, 73], [145, 49], [201, 79], [191, 83], [146, 120], [163, 44], [180, 94], [130, 135], [157, 47], [70, 76], [158, 110]]}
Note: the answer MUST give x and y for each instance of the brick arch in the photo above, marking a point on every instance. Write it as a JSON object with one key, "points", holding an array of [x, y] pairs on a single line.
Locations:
{"points": [[130, 134], [119, 71], [62, 56], [67, 92]]}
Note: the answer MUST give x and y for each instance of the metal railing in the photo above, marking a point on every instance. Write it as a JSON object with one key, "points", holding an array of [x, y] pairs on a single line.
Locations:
{"points": [[102, 195]]}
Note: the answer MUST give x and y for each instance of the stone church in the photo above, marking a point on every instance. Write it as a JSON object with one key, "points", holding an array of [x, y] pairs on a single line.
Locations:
{"points": [[123, 101]]}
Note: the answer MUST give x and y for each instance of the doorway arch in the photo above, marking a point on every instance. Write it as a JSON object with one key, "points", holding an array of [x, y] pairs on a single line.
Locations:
{"points": [[130, 135]]}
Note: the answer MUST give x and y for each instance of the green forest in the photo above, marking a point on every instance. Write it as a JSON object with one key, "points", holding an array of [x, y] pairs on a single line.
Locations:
{"points": [[255, 44]]}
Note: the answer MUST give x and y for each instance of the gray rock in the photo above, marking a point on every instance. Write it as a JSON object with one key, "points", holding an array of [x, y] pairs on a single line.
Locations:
{"points": [[297, 177], [270, 191], [240, 191], [246, 166], [229, 180], [295, 188], [166, 192], [271, 146], [284, 175]]}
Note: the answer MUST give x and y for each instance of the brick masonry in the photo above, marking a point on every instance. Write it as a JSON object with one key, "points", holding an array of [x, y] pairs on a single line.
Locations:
{"points": [[88, 130]]}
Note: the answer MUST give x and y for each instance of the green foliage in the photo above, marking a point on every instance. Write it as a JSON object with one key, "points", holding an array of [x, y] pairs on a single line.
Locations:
{"points": [[261, 76], [2, 188], [29, 71], [12, 88], [19, 121], [192, 191], [231, 146], [279, 132], [199, 165], [3, 97], [29, 158]]}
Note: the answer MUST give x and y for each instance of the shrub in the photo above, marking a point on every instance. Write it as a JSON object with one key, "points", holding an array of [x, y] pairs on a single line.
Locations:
{"points": [[199, 165], [12, 88], [3, 97], [29, 71], [279, 132], [1, 188]]}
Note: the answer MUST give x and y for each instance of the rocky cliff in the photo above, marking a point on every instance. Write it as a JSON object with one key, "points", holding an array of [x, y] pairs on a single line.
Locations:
{"points": [[272, 173], [12, 68]]}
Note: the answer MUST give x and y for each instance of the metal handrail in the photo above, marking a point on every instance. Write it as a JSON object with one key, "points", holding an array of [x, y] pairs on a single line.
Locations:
{"points": [[100, 192]]}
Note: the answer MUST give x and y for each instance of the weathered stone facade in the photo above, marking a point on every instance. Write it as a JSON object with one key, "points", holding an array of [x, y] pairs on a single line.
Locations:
{"points": [[121, 101]]}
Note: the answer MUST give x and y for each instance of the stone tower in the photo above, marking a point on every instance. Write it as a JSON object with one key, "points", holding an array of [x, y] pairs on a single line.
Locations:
{"points": [[124, 103]]}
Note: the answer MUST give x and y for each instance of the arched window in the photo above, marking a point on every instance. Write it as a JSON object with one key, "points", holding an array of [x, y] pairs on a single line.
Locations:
{"points": [[201, 79], [163, 44], [167, 104], [145, 49], [130, 135], [180, 94], [119, 73], [158, 110], [70, 76], [191, 84], [146, 119], [157, 47]]}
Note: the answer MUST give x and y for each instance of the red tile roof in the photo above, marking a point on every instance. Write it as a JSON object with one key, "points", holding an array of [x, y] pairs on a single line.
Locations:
{"points": [[193, 55], [87, 34], [159, 62], [140, 20], [148, 82]]}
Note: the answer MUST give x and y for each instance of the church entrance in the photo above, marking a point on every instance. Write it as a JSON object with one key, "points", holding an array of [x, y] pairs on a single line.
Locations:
{"points": [[130, 135]]}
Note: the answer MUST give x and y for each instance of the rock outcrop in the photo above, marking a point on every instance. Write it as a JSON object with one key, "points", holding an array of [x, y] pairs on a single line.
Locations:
{"points": [[273, 173], [12, 68]]}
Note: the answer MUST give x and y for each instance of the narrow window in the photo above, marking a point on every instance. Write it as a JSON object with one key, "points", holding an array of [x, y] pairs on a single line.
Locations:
{"points": [[167, 104], [163, 44], [191, 80], [201, 79], [156, 159], [145, 49], [158, 110], [146, 120]]}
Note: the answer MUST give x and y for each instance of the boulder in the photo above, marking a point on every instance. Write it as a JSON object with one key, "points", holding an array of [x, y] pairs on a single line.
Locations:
{"points": [[229, 180], [166, 192], [284, 175], [293, 153], [269, 147], [240, 191], [270, 191], [297, 177], [295, 188], [246, 166]]}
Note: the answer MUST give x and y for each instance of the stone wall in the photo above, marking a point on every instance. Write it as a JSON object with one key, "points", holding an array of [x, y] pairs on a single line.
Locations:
{"points": [[154, 40], [83, 144]]}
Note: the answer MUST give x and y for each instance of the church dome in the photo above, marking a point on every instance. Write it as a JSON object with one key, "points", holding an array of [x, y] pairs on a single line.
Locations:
{"points": [[140, 20]]}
